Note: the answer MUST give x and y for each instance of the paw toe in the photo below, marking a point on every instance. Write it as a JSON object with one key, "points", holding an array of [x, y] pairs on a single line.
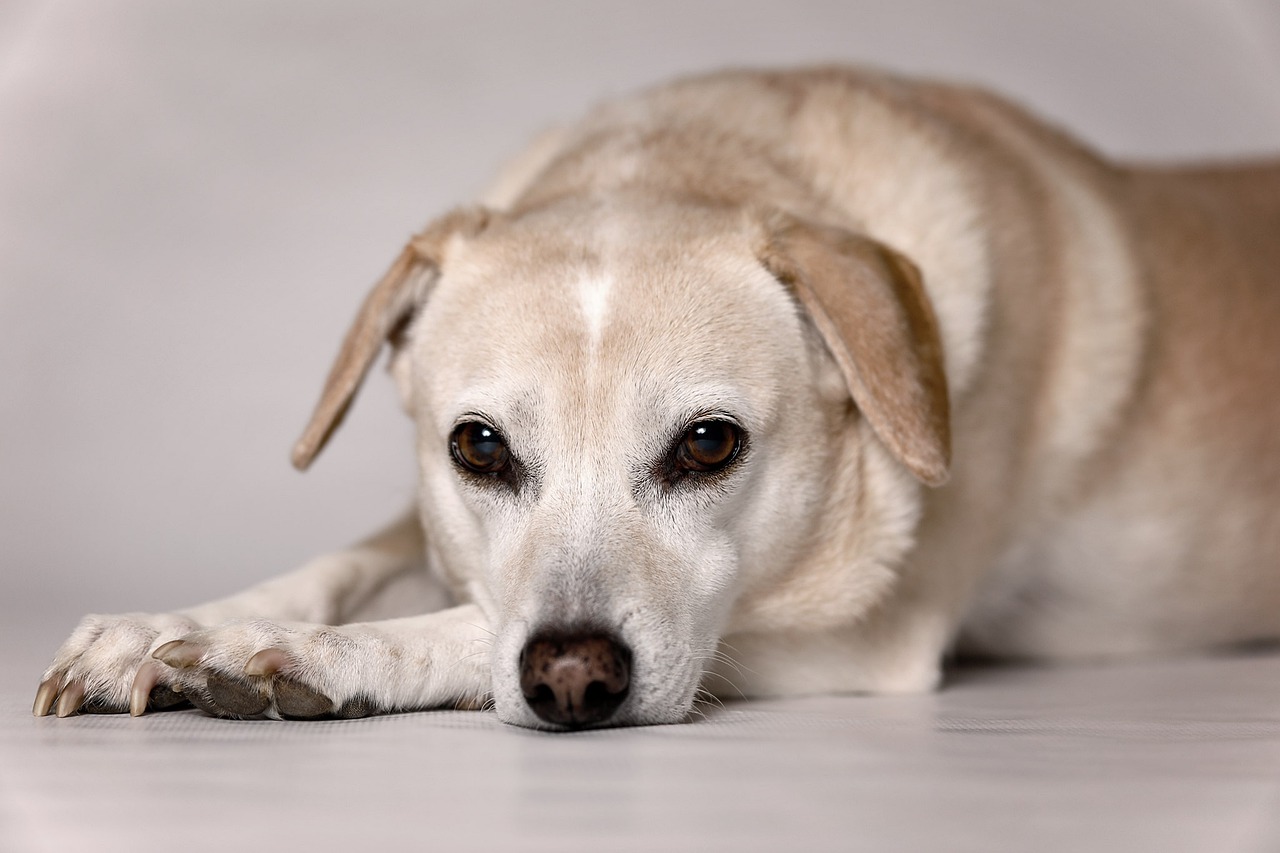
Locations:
{"points": [[296, 700], [163, 698], [199, 696], [355, 707], [237, 695]]}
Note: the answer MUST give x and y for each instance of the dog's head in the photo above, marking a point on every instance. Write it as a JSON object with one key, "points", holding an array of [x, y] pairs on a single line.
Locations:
{"points": [[630, 415]]}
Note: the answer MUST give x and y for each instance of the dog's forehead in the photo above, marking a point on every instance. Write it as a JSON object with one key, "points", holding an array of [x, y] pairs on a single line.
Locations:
{"points": [[636, 304]]}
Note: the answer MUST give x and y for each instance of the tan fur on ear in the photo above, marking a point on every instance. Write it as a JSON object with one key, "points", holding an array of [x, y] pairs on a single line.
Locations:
{"points": [[386, 309], [869, 305]]}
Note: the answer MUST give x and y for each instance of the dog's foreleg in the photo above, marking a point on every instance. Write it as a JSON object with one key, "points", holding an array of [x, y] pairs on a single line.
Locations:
{"points": [[336, 587], [106, 664], [259, 668]]}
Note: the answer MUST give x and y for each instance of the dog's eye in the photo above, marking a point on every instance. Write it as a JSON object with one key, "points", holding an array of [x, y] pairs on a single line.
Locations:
{"points": [[480, 448], [708, 446]]}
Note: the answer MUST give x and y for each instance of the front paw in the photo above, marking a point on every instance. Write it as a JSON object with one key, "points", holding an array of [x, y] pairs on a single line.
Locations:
{"points": [[105, 666], [256, 669]]}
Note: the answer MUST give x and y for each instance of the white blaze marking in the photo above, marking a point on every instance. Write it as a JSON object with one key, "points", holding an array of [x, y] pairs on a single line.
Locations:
{"points": [[593, 293]]}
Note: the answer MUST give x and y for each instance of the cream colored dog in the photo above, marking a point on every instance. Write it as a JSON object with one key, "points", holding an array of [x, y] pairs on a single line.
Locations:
{"points": [[779, 383]]}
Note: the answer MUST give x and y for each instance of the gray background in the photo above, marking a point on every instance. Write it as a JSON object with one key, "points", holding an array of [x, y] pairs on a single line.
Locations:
{"points": [[194, 197]]}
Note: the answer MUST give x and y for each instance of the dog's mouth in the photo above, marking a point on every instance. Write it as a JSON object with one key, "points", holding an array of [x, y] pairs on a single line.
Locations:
{"points": [[575, 679]]}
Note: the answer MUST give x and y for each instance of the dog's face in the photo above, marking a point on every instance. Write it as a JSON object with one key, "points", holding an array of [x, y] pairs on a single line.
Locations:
{"points": [[619, 425], [625, 419]]}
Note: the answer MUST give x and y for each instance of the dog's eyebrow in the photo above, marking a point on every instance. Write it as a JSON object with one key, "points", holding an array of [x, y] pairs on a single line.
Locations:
{"points": [[494, 401], [477, 415], [708, 400], [513, 415]]}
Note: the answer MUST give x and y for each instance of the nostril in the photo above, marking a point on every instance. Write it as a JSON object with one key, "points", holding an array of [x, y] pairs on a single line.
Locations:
{"points": [[575, 679], [597, 693], [542, 695]]}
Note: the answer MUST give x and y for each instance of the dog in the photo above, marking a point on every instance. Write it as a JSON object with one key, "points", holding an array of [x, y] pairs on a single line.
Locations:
{"points": [[771, 384]]}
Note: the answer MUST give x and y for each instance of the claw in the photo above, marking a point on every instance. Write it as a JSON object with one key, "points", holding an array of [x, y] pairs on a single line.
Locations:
{"points": [[148, 676], [45, 695], [267, 662], [179, 654], [69, 700]]}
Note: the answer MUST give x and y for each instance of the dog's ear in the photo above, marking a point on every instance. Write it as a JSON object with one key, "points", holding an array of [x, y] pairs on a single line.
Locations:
{"points": [[386, 310], [868, 304]]}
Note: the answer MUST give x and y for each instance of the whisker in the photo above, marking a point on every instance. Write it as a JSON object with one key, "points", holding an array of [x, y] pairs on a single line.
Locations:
{"points": [[710, 697], [724, 658], [720, 676], [466, 658]]}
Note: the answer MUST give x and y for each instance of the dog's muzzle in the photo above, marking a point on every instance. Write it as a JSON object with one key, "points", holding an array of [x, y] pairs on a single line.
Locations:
{"points": [[575, 679]]}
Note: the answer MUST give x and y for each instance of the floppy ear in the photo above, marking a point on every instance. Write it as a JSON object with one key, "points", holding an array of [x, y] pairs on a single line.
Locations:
{"points": [[870, 308], [386, 310]]}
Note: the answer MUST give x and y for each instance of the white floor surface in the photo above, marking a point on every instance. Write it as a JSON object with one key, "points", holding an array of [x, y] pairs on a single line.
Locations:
{"points": [[1167, 756]]}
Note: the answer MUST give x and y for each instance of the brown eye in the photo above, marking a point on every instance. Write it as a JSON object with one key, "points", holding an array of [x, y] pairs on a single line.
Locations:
{"points": [[708, 446], [480, 448]]}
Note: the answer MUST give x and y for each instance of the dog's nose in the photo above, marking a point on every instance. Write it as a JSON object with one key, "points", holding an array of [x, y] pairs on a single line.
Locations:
{"points": [[575, 679]]}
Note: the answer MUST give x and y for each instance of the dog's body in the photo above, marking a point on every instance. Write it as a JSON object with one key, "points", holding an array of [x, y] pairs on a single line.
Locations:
{"points": [[782, 383]]}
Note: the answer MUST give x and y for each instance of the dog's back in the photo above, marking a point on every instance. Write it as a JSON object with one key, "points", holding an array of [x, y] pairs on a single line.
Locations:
{"points": [[1117, 434], [1202, 440], [1170, 537]]}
